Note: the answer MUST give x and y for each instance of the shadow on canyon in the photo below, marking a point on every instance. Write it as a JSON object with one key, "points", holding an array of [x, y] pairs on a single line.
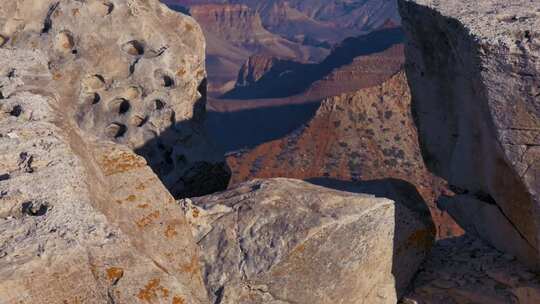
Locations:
{"points": [[185, 158], [243, 129], [407, 199]]}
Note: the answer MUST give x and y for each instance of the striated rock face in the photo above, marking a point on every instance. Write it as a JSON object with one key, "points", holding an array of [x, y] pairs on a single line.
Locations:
{"points": [[475, 80], [124, 78], [288, 241], [365, 135], [83, 219], [234, 32]]}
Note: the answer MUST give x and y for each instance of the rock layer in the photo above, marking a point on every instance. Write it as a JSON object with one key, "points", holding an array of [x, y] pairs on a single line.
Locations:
{"points": [[131, 72], [288, 241], [475, 81], [83, 219]]}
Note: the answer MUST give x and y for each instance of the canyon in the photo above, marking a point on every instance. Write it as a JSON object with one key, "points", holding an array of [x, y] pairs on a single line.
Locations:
{"points": [[385, 156]]}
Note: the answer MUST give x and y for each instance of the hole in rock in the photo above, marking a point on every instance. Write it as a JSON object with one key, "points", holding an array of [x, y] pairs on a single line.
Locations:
{"points": [[16, 111], [92, 98], [134, 48], [110, 7], [3, 40], [139, 121], [167, 81], [116, 130], [35, 208], [95, 98], [4, 177], [159, 104], [124, 107]]}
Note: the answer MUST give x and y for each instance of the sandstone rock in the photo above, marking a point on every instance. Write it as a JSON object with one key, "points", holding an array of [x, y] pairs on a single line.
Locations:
{"points": [[472, 67], [288, 241], [467, 270], [112, 62], [82, 218]]}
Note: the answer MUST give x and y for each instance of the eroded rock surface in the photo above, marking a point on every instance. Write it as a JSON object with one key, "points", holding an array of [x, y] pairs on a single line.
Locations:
{"points": [[83, 219], [467, 270], [288, 241], [131, 72], [475, 81]]}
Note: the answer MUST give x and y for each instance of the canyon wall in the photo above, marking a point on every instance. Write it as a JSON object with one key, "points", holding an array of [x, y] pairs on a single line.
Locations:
{"points": [[475, 81]]}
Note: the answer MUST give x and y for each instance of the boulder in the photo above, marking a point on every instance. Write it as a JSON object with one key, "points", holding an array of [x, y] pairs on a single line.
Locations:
{"points": [[131, 72], [473, 71], [83, 219], [289, 241]]}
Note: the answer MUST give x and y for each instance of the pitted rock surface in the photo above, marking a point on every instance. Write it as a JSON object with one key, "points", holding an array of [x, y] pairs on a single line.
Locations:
{"points": [[131, 72], [83, 219], [288, 241], [475, 81]]}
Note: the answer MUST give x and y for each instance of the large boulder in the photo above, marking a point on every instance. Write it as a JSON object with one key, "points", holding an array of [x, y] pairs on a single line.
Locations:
{"points": [[131, 72], [83, 219], [475, 81], [288, 241]]}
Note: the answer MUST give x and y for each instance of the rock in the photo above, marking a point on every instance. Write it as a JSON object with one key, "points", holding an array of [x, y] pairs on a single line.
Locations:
{"points": [[364, 135], [288, 241], [112, 62], [455, 260], [487, 221], [83, 219], [475, 82]]}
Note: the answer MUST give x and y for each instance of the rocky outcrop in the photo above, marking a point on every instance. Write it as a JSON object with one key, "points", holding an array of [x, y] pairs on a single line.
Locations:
{"points": [[83, 219], [123, 82], [288, 241], [467, 270], [475, 82], [365, 135]]}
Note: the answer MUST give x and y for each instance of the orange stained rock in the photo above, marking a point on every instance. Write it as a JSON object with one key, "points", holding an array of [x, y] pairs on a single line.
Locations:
{"points": [[192, 267], [115, 273], [178, 300], [153, 291], [170, 232], [120, 163], [148, 219]]}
